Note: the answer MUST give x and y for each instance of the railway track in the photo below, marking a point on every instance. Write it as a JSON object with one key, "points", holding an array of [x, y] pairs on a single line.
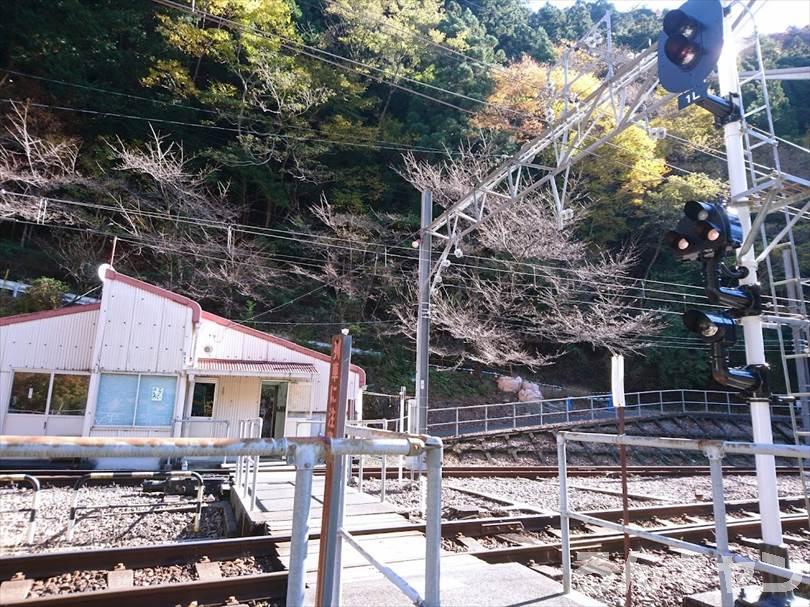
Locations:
{"points": [[581, 471], [515, 539]]}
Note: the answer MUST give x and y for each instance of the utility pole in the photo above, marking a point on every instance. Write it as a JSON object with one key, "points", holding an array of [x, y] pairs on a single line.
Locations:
{"points": [[423, 314], [752, 325]]}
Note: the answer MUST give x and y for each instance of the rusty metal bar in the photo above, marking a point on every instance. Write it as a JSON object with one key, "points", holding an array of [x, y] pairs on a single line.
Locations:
{"points": [[94, 446]]}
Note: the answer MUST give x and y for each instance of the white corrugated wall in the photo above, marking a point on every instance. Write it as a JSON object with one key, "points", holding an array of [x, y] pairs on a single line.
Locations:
{"points": [[217, 341], [60, 342], [143, 331], [237, 398]]}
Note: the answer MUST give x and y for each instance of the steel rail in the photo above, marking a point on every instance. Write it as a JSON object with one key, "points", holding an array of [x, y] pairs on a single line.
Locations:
{"points": [[245, 587], [612, 541], [582, 471], [47, 564]]}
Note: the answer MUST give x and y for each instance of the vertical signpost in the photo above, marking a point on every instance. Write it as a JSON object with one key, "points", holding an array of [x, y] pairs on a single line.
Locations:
{"points": [[329, 565], [617, 392]]}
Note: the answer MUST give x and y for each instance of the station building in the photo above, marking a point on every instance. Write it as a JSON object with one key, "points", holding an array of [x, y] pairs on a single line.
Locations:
{"points": [[148, 362]]}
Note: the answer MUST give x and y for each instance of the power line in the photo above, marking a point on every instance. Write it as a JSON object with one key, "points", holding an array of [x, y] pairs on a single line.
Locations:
{"points": [[326, 56], [378, 249], [382, 145]]}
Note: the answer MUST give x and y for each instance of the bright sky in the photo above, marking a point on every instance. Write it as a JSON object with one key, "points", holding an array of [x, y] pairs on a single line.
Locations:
{"points": [[772, 15]]}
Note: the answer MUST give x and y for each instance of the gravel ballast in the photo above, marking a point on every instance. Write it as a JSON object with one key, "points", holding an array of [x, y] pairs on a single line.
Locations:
{"points": [[109, 516]]}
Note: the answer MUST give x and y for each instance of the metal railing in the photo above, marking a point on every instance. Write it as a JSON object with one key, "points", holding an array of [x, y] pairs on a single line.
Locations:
{"points": [[474, 419], [95, 476], [32, 511], [247, 467], [304, 454], [714, 451], [432, 511], [379, 427], [186, 423]]}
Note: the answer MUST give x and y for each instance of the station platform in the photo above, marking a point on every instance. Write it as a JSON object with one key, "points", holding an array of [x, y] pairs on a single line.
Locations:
{"points": [[465, 580]]}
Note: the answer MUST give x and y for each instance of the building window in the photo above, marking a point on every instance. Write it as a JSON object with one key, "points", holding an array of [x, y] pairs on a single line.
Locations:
{"points": [[135, 400], [202, 401], [69, 394], [49, 393]]}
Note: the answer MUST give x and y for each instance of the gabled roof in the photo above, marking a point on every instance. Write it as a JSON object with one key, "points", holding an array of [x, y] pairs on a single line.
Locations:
{"points": [[18, 318]]}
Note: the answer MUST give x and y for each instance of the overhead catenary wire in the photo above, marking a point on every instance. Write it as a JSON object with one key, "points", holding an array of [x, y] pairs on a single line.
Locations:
{"points": [[345, 142], [647, 292], [680, 342]]}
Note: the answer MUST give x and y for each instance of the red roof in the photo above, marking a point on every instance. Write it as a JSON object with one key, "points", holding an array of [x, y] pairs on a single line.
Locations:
{"points": [[10, 320], [241, 367]]}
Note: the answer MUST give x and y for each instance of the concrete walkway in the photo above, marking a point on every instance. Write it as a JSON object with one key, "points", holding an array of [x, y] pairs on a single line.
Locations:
{"points": [[465, 580]]}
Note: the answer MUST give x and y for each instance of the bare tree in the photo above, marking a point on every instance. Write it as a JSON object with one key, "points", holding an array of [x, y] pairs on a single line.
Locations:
{"points": [[523, 287], [168, 217], [31, 167]]}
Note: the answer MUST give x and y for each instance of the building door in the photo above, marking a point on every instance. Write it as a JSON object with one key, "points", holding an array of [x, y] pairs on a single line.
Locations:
{"points": [[273, 408], [200, 422]]}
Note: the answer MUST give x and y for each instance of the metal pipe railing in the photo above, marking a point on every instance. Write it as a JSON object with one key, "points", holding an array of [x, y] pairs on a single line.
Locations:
{"points": [[714, 450], [95, 476], [32, 511], [186, 422], [361, 428], [514, 415], [305, 453], [247, 468]]}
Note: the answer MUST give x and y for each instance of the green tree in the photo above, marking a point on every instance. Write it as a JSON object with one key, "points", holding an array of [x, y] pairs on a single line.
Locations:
{"points": [[508, 21], [43, 294], [551, 19]]}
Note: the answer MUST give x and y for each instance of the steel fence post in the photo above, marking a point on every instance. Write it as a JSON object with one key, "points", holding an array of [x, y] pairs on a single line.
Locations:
{"points": [[360, 472], [383, 477], [238, 473], [486, 418], [433, 522], [296, 586], [457, 430], [514, 416], [715, 456], [564, 539], [706, 401]]}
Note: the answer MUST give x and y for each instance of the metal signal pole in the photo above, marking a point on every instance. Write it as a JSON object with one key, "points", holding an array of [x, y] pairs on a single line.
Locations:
{"points": [[752, 325], [423, 314]]}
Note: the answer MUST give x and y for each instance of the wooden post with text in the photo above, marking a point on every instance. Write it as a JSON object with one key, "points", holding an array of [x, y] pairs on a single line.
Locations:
{"points": [[328, 590]]}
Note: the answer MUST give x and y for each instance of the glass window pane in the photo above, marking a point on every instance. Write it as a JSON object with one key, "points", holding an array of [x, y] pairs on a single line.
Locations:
{"points": [[69, 395], [202, 403], [116, 400], [156, 401], [29, 392]]}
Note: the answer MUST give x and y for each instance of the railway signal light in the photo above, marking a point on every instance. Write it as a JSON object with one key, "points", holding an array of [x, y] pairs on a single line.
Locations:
{"points": [[689, 47], [705, 231], [712, 327], [690, 44], [719, 330]]}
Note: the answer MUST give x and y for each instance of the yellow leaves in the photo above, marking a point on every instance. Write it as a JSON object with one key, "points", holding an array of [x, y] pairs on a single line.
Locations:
{"points": [[693, 186], [384, 30], [517, 93], [171, 75]]}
